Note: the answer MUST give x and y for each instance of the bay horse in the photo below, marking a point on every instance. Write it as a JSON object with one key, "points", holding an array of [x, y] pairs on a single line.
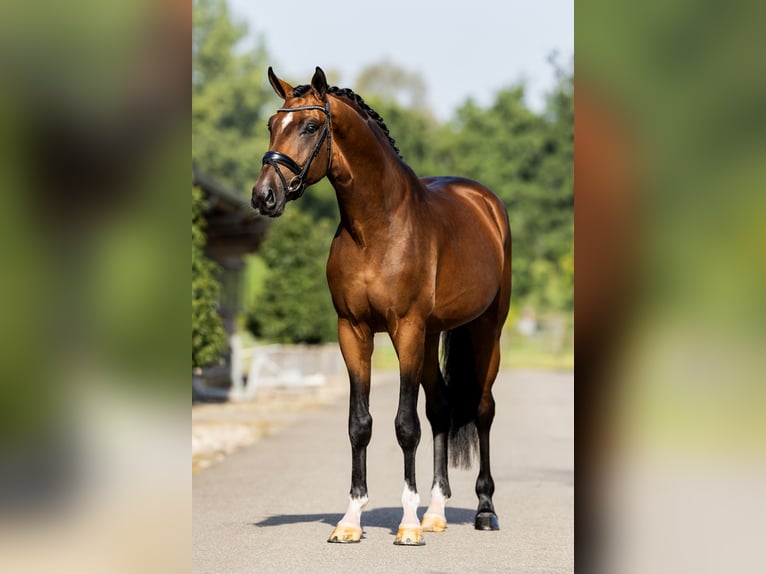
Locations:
{"points": [[417, 258]]}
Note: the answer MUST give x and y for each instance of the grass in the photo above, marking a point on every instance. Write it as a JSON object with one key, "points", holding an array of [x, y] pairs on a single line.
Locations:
{"points": [[536, 352], [517, 352]]}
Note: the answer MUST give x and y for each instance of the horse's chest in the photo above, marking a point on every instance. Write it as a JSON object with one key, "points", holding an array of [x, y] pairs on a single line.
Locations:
{"points": [[371, 289]]}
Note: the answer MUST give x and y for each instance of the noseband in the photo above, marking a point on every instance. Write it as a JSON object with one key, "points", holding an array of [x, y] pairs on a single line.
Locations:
{"points": [[296, 186]]}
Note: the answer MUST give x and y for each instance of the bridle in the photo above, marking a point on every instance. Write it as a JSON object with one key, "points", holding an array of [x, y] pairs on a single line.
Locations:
{"points": [[296, 186]]}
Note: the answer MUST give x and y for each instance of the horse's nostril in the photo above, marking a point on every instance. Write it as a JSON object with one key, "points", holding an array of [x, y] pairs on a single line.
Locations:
{"points": [[270, 200]]}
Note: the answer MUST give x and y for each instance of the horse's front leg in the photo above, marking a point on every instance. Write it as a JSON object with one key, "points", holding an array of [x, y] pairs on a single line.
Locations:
{"points": [[409, 341], [356, 344]]}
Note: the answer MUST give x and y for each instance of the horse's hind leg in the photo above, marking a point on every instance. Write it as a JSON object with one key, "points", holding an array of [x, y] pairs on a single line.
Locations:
{"points": [[438, 413], [485, 338]]}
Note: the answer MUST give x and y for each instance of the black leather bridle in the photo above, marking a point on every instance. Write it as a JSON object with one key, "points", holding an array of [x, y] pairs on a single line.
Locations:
{"points": [[296, 186]]}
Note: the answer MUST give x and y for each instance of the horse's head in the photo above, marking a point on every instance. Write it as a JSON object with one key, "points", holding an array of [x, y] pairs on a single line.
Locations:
{"points": [[300, 134]]}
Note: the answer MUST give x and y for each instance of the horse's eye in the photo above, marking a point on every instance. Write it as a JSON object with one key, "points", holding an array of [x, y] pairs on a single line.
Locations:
{"points": [[311, 128]]}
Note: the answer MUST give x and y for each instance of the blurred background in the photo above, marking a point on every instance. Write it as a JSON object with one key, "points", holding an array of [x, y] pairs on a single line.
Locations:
{"points": [[94, 170], [671, 244], [95, 136]]}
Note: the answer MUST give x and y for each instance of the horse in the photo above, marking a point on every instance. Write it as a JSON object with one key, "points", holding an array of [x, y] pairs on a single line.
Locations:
{"points": [[421, 259]]}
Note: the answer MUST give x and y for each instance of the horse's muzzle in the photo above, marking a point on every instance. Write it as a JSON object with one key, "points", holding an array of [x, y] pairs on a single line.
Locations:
{"points": [[264, 201]]}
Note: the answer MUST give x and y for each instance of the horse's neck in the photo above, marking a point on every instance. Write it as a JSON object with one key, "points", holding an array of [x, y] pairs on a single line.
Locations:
{"points": [[370, 181]]}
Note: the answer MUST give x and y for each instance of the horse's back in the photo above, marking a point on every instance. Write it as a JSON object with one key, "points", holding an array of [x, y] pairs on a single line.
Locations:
{"points": [[465, 197]]}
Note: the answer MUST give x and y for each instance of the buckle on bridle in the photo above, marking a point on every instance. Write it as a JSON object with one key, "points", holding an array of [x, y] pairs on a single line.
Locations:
{"points": [[295, 184]]}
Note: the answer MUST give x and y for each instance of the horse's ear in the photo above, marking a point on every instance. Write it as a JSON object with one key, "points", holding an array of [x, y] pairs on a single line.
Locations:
{"points": [[319, 83], [282, 88]]}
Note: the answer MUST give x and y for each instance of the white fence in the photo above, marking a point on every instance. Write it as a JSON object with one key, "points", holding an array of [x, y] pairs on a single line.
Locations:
{"points": [[271, 366]]}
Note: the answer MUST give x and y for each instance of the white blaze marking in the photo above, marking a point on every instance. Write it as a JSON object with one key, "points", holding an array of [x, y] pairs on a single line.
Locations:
{"points": [[286, 121]]}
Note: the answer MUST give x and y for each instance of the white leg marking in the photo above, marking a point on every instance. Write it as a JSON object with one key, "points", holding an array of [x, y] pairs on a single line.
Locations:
{"points": [[410, 502], [438, 502], [353, 516]]}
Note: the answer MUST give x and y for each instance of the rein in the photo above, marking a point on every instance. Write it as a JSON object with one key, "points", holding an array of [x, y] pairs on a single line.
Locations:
{"points": [[296, 186]]}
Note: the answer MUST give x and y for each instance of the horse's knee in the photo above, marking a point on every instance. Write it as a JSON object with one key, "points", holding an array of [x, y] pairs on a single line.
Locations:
{"points": [[407, 430], [360, 429]]}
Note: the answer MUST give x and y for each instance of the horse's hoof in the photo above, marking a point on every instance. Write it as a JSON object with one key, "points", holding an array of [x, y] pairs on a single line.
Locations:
{"points": [[409, 536], [345, 534], [486, 521], [433, 523]]}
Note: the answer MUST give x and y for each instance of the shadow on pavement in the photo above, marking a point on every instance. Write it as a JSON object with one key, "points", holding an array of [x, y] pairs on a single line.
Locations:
{"points": [[376, 517]]}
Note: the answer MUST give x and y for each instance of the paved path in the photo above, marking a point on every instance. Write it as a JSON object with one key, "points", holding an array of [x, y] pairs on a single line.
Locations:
{"points": [[271, 506]]}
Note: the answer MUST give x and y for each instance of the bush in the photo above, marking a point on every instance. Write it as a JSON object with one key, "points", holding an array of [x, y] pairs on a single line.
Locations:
{"points": [[208, 335], [295, 306]]}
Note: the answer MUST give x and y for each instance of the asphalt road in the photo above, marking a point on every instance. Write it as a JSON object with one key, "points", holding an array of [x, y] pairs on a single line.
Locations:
{"points": [[270, 507]]}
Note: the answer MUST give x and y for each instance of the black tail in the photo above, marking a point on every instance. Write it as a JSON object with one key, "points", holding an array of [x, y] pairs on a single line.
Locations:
{"points": [[464, 392]]}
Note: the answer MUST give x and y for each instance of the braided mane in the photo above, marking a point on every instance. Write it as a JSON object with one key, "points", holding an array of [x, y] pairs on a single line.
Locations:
{"points": [[349, 94]]}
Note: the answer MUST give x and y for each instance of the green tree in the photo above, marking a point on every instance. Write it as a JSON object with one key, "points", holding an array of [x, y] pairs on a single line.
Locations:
{"points": [[231, 99], [391, 83], [295, 306], [567, 267], [557, 179], [417, 134], [527, 159], [208, 335], [399, 97]]}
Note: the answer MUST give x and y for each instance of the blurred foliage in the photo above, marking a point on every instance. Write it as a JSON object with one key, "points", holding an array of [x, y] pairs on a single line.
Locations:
{"points": [[673, 366], [94, 167], [231, 101], [678, 87], [527, 159], [93, 121], [393, 84], [691, 100], [208, 335], [296, 305]]}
